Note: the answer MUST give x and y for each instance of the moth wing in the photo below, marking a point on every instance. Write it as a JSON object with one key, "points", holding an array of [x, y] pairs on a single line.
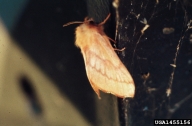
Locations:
{"points": [[104, 69]]}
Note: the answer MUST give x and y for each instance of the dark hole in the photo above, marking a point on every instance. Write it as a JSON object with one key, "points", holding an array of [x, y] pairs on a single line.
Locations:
{"points": [[30, 93], [27, 87]]}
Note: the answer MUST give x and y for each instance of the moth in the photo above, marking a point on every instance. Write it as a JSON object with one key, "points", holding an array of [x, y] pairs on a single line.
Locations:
{"points": [[104, 69]]}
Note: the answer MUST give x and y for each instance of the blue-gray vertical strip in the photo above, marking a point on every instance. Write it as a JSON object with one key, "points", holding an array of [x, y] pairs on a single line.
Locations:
{"points": [[10, 11]]}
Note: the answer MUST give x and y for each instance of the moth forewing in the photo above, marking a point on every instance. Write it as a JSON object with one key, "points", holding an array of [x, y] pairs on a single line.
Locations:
{"points": [[104, 69]]}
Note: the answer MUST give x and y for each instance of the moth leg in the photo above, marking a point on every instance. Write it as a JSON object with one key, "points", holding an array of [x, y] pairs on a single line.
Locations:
{"points": [[120, 49], [111, 39], [87, 19], [95, 89]]}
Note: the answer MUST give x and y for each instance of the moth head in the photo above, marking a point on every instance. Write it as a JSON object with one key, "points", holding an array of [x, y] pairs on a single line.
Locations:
{"points": [[88, 21], [89, 25]]}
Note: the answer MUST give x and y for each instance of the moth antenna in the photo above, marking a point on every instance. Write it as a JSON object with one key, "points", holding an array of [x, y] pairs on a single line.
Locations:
{"points": [[105, 19], [74, 22]]}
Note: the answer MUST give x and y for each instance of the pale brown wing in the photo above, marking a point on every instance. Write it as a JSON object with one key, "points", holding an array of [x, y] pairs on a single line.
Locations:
{"points": [[104, 69]]}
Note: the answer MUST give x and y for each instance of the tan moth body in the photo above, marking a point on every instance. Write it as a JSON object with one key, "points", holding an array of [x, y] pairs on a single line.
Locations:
{"points": [[104, 69]]}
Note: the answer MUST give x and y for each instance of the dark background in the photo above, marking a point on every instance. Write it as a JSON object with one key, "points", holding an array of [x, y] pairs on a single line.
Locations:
{"points": [[38, 30]]}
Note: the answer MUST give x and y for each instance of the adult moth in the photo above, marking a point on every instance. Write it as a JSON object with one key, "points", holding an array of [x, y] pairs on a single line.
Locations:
{"points": [[104, 69]]}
